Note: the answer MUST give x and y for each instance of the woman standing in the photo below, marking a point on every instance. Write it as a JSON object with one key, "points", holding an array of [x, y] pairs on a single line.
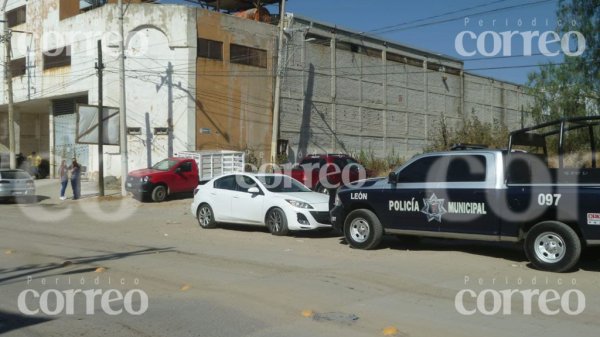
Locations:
{"points": [[75, 179], [64, 178]]}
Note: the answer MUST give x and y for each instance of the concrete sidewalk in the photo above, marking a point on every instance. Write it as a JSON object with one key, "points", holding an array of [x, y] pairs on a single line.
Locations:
{"points": [[49, 189]]}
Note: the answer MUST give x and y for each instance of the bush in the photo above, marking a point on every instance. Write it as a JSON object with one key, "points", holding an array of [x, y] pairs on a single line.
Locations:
{"points": [[378, 166], [471, 131]]}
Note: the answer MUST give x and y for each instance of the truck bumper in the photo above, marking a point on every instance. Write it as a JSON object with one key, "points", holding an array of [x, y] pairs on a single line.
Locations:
{"points": [[338, 216], [139, 188]]}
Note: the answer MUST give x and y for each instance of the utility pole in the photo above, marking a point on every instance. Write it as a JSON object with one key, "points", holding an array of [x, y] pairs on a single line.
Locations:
{"points": [[170, 108], [100, 67], [122, 103], [277, 98], [9, 88]]}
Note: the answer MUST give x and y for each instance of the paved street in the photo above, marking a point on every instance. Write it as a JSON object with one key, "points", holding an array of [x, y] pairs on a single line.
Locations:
{"points": [[242, 281]]}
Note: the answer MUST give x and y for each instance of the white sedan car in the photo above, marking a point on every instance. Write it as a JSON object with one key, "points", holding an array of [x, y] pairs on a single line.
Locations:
{"points": [[277, 201]]}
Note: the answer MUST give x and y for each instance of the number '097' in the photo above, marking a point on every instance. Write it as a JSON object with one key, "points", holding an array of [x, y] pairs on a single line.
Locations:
{"points": [[549, 199]]}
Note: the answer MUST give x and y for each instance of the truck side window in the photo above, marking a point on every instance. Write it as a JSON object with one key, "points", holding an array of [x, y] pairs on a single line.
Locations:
{"points": [[226, 183], [186, 167], [419, 171], [340, 163], [435, 169], [466, 169]]}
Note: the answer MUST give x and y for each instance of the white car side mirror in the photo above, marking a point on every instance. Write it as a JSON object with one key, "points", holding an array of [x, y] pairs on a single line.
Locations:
{"points": [[253, 190]]}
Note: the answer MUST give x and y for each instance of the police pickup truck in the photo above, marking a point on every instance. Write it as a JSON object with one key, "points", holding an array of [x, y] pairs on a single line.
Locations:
{"points": [[543, 192]]}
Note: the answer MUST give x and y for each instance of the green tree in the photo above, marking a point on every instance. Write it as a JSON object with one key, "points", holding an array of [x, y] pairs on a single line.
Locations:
{"points": [[571, 88]]}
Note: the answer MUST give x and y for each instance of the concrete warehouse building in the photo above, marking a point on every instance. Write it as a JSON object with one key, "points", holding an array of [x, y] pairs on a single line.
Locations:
{"points": [[344, 91], [204, 79]]}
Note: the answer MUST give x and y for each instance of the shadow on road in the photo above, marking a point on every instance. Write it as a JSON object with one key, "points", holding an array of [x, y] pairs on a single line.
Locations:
{"points": [[10, 321], [36, 269], [23, 200], [590, 259], [314, 234]]}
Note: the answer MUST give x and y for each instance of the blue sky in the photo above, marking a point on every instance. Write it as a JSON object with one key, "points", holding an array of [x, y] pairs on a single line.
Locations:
{"points": [[434, 25]]}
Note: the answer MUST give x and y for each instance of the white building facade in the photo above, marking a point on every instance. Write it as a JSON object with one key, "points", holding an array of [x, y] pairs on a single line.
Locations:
{"points": [[54, 69]]}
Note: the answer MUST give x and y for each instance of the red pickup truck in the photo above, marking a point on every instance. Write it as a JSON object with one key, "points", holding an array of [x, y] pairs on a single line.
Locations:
{"points": [[169, 176], [321, 171], [183, 173]]}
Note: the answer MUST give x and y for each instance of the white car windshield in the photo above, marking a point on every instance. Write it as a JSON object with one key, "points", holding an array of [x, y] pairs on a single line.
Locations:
{"points": [[164, 165], [10, 175], [282, 184]]}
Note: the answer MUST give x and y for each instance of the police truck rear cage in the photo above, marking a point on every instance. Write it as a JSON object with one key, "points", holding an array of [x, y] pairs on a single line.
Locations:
{"points": [[536, 136]]}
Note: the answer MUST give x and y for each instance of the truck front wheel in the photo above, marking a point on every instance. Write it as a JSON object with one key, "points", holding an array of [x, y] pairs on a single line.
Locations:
{"points": [[552, 246], [159, 193], [362, 229]]}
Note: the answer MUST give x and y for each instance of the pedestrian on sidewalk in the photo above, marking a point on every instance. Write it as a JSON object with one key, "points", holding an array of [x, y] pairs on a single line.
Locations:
{"points": [[63, 172], [76, 179], [34, 160]]}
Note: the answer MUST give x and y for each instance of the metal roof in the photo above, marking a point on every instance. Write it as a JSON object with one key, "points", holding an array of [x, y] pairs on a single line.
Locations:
{"points": [[237, 5]]}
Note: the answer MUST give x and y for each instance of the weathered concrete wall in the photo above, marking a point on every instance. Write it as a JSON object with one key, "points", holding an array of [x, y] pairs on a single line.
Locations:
{"points": [[345, 94], [492, 100], [159, 38], [234, 101]]}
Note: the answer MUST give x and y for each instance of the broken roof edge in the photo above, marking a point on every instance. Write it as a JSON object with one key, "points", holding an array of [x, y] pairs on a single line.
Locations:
{"points": [[375, 38]]}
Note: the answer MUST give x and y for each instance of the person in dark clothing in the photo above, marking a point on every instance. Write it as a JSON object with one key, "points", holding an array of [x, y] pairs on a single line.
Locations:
{"points": [[63, 172], [76, 179], [20, 160]]}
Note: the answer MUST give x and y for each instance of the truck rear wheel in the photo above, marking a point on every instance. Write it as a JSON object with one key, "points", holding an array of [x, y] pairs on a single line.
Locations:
{"points": [[159, 193], [363, 229], [553, 246]]}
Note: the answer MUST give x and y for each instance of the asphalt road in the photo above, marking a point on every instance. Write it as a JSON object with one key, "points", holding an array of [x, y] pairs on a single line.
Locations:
{"points": [[241, 281]]}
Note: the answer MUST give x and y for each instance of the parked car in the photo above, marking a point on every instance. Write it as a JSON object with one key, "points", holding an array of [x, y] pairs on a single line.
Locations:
{"points": [[547, 204], [16, 185], [321, 171], [277, 201], [182, 173]]}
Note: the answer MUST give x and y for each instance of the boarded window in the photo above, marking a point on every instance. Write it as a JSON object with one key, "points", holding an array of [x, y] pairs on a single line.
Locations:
{"points": [[210, 49], [404, 59], [59, 57], [16, 16], [359, 49], [18, 67], [249, 56]]}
